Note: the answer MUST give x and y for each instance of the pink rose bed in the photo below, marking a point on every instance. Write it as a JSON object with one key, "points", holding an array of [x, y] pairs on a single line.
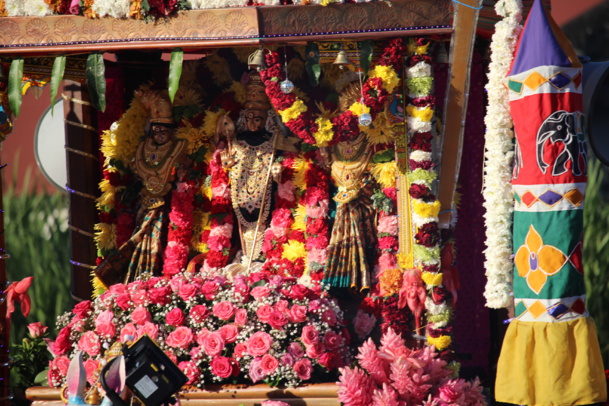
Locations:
{"points": [[259, 328]]}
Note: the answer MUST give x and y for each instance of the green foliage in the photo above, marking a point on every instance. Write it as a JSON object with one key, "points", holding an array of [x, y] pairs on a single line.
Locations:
{"points": [[29, 358], [36, 235], [15, 76], [96, 80], [596, 258]]}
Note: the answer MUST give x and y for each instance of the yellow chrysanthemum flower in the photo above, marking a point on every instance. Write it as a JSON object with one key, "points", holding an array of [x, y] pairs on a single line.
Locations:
{"points": [[300, 168], [425, 114], [194, 136], [105, 236], [293, 250], [380, 132], [391, 281], [440, 343], [431, 279], [300, 218], [425, 209], [405, 260], [293, 112], [324, 132], [385, 173], [358, 109], [388, 76], [98, 286]]}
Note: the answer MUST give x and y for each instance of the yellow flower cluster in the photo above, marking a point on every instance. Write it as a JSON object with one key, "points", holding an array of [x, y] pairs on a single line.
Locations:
{"points": [[292, 250], [200, 224], [120, 142], [391, 281], [358, 109], [385, 173], [194, 136], [431, 279], [105, 236], [300, 168], [388, 76], [380, 132], [293, 112], [425, 209], [413, 48], [300, 215], [424, 114], [324, 132], [440, 343]]}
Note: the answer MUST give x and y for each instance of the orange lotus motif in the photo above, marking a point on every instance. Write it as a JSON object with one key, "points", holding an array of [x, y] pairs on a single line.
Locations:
{"points": [[536, 261]]}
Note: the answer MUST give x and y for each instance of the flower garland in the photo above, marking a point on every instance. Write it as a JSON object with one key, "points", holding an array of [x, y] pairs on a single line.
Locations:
{"points": [[425, 206], [499, 154], [323, 131]]}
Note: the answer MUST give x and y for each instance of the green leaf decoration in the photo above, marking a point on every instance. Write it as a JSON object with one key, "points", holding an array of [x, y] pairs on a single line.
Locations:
{"points": [[387, 155], [312, 63], [59, 66], [365, 57], [15, 76], [96, 80], [175, 71]]}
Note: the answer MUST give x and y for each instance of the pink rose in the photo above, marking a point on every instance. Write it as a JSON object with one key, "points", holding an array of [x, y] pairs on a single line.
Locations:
{"points": [[117, 288], [36, 329], [241, 317], [329, 360], [58, 369], [314, 351], [277, 320], [181, 337], [229, 332], [264, 313], [201, 336], [82, 309], [175, 317], [191, 371], [259, 344], [310, 335], [62, 344], [260, 292], [129, 330], [287, 359], [256, 372], [296, 350], [159, 296], [89, 343], [363, 323], [273, 403], [198, 313], [269, 364], [209, 290], [91, 366], [187, 291], [150, 329], [224, 310], [329, 317], [388, 225], [314, 305], [239, 350], [140, 297], [213, 344], [104, 325], [303, 369], [221, 367], [196, 353], [332, 340], [123, 301], [297, 314], [299, 291], [140, 315], [282, 306]]}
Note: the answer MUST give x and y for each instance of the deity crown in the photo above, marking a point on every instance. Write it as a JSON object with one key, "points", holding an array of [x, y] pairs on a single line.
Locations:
{"points": [[255, 95]]}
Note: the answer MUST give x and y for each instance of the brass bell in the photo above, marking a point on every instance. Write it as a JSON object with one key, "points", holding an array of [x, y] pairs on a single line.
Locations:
{"points": [[256, 60], [341, 59]]}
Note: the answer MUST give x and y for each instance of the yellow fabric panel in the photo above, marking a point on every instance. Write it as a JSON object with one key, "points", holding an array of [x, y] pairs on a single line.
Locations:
{"points": [[551, 364]]}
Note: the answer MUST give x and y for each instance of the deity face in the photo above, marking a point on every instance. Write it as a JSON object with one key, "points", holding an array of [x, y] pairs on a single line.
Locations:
{"points": [[160, 134], [255, 120]]}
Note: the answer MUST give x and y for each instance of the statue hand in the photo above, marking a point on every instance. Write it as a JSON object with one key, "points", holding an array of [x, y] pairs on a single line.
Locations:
{"points": [[227, 158]]}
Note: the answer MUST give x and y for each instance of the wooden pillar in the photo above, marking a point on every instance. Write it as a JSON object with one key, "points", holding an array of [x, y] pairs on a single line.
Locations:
{"points": [[84, 175], [462, 46]]}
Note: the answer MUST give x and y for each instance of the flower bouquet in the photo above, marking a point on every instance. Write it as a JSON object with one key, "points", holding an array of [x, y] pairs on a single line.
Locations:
{"points": [[256, 328], [395, 375]]}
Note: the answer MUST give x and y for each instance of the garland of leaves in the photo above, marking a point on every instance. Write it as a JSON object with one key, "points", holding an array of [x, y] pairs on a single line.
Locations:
{"points": [[323, 131]]}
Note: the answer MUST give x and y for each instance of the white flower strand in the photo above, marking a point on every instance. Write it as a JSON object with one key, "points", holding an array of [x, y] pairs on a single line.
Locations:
{"points": [[499, 154]]}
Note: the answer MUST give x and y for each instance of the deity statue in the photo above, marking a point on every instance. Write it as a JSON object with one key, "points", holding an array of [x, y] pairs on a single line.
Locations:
{"points": [[250, 151], [156, 157], [351, 252]]}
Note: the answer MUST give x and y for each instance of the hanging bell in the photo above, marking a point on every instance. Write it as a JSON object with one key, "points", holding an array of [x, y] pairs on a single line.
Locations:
{"points": [[365, 119], [286, 86], [341, 59], [256, 60]]}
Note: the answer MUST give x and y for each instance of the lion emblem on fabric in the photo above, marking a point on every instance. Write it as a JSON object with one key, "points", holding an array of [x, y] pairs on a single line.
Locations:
{"points": [[565, 127]]}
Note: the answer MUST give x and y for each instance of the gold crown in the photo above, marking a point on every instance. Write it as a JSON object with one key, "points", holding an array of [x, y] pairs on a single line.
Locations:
{"points": [[255, 95]]}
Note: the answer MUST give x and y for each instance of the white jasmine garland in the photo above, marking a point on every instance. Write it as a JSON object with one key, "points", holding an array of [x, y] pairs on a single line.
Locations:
{"points": [[419, 70], [499, 154], [14, 8], [417, 125], [420, 156], [36, 8], [112, 8]]}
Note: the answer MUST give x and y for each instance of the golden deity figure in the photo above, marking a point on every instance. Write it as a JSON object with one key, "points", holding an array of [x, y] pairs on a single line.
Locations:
{"points": [[156, 158], [351, 251], [250, 153]]}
